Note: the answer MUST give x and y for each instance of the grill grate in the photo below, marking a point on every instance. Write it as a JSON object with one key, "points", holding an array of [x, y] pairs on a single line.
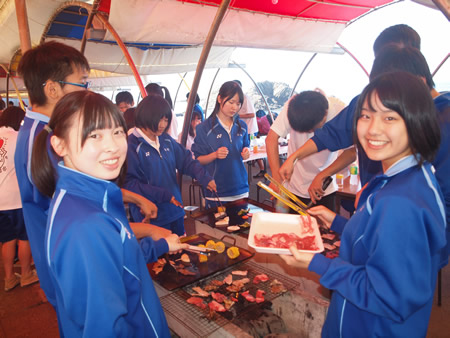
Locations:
{"points": [[189, 315]]}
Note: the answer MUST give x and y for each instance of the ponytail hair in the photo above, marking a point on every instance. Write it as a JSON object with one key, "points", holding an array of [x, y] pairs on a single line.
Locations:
{"points": [[154, 88], [94, 111], [227, 91]]}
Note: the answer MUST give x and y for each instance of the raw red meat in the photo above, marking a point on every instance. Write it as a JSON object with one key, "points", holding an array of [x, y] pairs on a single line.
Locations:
{"points": [[248, 296], [284, 241], [213, 305], [260, 278], [218, 297], [197, 302], [306, 225], [260, 296]]}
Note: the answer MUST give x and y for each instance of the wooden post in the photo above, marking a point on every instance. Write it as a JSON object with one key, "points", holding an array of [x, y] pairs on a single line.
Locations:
{"points": [[200, 66], [22, 22], [92, 13]]}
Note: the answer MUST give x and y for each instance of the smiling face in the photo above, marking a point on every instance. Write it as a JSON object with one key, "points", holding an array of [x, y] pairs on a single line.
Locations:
{"points": [[102, 154], [382, 133], [228, 107]]}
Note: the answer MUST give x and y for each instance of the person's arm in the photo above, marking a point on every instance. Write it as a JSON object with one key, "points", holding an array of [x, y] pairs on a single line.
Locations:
{"points": [[344, 160], [148, 208], [142, 230], [305, 150], [201, 148], [219, 154], [273, 157], [247, 115]]}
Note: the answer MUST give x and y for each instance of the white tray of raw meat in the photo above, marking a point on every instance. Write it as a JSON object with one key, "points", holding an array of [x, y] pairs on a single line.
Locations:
{"points": [[267, 226]]}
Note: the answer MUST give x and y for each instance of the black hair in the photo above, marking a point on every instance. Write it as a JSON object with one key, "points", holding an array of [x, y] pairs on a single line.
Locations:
{"points": [[197, 98], [12, 117], [130, 117], [150, 111], [49, 61], [238, 82], [401, 34], [408, 59], [227, 91], [124, 97], [154, 88], [410, 98], [195, 114], [94, 110], [2, 104], [306, 110]]}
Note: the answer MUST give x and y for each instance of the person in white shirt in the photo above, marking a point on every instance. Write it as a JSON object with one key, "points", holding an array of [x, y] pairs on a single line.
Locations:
{"points": [[300, 116], [12, 225]]}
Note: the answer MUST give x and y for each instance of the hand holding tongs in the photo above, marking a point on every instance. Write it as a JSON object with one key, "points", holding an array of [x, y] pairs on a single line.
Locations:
{"points": [[290, 200]]}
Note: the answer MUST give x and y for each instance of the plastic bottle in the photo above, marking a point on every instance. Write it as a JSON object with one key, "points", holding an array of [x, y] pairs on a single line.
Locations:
{"points": [[353, 175]]}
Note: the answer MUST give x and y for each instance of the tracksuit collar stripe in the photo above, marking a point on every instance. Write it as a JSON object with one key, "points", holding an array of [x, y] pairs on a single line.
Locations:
{"points": [[97, 186], [401, 165], [36, 116]]}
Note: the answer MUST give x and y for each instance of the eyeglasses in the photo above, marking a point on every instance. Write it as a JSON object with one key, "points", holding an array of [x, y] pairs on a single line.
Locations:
{"points": [[85, 85]]}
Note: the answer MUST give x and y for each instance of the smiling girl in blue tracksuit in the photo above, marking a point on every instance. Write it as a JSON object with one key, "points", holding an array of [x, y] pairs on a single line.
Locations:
{"points": [[385, 275], [221, 144], [153, 161], [97, 267]]}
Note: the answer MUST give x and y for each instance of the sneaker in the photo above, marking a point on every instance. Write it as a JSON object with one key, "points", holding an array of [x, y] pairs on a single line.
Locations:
{"points": [[30, 279], [12, 282], [260, 174]]}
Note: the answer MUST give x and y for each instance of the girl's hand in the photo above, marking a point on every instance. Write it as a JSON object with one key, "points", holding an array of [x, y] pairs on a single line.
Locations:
{"points": [[175, 246], [298, 259], [323, 213], [175, 202], [221, 153], [245, 154], [212, 186]]}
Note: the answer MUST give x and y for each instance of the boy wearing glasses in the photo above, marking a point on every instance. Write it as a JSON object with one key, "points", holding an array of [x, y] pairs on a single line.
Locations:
{"points": [[49, 71]]}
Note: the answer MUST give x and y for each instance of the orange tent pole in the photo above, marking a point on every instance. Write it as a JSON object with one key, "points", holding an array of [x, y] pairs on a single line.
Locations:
{"points": [[22, 22]]}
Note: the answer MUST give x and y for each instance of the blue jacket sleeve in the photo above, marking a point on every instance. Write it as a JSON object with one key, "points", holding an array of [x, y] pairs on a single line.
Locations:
{"points": [[201, 147], [89, 262], [153, 249], [337, 133], [338, 224], [135, 180], [394, 281], [187, 165]]}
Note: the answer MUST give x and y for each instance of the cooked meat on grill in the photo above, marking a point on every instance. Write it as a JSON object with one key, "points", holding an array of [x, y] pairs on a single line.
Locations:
{"points": [[228, 303], [210, 287], [260, 296], [219, 297], [213, 305], [260, 278], [186, 272], [216, 282], [200, 292], [197, 302], [277, 287], [228, 279], [239, 272], [248, 296]]}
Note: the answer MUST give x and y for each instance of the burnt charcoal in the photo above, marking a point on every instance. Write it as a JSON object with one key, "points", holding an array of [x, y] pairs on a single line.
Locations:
{"points": [[265, 323]]}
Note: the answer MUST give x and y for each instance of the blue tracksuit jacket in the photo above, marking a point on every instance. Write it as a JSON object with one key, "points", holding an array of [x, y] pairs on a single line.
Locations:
{"points": [[230, 174], [153, 175], [385, 276], [99, 270], [338, 134], [34, 204]]}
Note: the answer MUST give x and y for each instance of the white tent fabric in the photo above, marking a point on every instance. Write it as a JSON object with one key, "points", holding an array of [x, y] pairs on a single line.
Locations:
{"points": [[171, 21]]}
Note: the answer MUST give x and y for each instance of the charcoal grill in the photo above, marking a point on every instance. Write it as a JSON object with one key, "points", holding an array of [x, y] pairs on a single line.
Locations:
{"points": [[194, 319]]}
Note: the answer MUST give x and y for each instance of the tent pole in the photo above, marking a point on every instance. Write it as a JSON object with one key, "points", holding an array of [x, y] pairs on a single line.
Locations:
{"points": [[92, 13], [209, 93], [443, 6], [354, 58], [125, 52], [301, 74], [178, 89], [201, 65], [22, 22]]}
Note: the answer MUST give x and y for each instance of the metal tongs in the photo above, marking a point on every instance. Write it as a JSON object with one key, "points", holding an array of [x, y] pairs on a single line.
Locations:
{"points": [[290, 200], [199, 250]]}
